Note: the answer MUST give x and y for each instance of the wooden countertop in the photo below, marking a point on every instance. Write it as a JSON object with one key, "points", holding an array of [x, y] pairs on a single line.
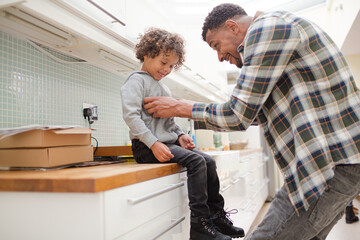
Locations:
{"points": [[84, 179], [90, 179]]}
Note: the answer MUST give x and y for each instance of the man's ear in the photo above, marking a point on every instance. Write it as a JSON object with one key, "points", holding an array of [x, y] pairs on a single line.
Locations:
{"points": [[231, 25]]}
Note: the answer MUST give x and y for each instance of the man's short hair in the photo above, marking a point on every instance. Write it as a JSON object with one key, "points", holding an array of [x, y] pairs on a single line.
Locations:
{"points": [[219, 15]]}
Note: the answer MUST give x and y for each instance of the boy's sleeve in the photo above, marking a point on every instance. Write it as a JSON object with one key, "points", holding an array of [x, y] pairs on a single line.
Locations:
{"points": [[132, 99], [178, 130]]}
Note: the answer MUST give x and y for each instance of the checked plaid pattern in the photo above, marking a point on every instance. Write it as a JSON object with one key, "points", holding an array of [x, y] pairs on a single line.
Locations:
{"points": [[296, 84]]}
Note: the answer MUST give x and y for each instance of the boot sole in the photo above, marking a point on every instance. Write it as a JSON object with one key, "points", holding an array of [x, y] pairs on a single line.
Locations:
{"points": [[201, 236], [237, 236]]}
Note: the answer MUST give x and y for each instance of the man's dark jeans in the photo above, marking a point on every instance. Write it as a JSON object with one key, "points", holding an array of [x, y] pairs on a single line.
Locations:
{"points": [[203, 181]]}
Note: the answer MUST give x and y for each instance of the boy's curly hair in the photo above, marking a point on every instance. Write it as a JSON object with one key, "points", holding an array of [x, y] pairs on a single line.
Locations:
{"points": [[219, 15], [156, 40]]}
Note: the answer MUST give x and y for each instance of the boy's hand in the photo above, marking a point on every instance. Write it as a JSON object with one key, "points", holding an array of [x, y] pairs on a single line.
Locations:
{"points": [[161, 152], [186, 142]]}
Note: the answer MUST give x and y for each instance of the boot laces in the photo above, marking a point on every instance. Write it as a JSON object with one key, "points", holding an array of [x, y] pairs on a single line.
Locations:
{"points": [[226, 215], [209, 225]]}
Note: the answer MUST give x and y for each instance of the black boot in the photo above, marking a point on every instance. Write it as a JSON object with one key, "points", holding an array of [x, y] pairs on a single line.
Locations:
{"points": [[202, 228], [225, 225], [350, 215]]}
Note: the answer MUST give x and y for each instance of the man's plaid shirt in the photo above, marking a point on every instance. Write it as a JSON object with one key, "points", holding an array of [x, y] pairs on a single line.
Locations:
{"points": [[296, 84]]}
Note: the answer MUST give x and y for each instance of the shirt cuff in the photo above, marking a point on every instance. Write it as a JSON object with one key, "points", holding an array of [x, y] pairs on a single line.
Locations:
{"points": [[198, 115], [148, 139], [179, 132]]}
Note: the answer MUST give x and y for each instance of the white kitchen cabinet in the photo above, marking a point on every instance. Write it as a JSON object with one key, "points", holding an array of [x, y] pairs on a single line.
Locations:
{"points": [[153, 209], [146, 210], [55, 216], [80, 30], [63, 27], [243, 183], [106, 14]]}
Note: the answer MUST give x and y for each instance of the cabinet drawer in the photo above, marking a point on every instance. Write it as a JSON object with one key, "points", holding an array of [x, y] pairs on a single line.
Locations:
{"points": [[129, 207], [167, 226], [258, 197], [225, 161]]}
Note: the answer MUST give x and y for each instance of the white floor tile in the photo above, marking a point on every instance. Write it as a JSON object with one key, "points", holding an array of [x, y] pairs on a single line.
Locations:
{"points": [[343, 231]]}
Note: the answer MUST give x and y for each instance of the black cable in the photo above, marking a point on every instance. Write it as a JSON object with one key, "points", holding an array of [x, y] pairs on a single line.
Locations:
{"points": [[97, 143]]}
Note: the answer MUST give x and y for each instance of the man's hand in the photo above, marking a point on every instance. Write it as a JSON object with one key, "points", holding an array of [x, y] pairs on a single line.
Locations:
{"points": [[161, 152], [186, 142], [165, 107]]}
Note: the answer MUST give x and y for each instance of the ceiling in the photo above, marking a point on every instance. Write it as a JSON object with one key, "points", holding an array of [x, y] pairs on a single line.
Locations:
{"points": [[191, 13], [194, 11]]}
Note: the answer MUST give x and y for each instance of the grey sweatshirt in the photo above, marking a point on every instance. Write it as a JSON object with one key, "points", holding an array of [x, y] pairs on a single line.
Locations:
{"points": [[142, 125]]}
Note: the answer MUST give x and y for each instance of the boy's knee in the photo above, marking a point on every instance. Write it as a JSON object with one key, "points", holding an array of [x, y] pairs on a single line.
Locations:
{"points": [[198, 162], [211, 163]]}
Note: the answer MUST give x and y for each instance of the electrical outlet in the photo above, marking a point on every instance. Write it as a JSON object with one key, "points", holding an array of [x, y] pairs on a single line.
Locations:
{"points": [[90, 111]]}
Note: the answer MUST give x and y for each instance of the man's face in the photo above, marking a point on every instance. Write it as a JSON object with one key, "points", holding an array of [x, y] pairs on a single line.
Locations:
{"points": [[225, 41]]}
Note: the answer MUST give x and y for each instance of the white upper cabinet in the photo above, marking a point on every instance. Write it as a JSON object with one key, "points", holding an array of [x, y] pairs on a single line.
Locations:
{"points": [[73, 30], [103, 33], [105, 14]]}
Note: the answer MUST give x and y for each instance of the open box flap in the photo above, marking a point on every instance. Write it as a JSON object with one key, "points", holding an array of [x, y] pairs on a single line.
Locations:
{"points": [[73, 131]]}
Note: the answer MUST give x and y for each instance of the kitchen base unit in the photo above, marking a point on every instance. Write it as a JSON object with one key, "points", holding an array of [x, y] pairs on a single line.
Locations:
{"points": [[123, 201], [243, 184], [149, 209]]}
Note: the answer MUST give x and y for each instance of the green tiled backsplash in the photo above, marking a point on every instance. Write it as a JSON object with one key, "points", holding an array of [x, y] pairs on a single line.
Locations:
{"points": [[35, 89]]}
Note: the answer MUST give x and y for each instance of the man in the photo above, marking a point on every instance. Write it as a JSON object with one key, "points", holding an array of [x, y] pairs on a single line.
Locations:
{"points": [[297, 86]]}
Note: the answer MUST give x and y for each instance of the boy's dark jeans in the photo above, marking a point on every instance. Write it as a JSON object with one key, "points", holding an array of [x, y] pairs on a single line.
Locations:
{"points": [[203, 181]]}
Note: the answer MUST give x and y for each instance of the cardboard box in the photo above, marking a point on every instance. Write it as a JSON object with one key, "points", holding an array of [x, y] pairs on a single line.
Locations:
{"points": [[39, 138], [45, 157]]}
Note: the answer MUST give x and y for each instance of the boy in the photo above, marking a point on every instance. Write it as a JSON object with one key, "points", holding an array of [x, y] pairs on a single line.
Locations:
{"points": [[157, 140]]}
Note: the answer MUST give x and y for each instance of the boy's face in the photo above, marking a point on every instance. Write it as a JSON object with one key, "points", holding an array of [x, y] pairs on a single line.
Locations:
{"points": [[161, 65]]}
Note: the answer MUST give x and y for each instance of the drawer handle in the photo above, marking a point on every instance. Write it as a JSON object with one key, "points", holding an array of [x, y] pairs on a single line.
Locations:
{"points": [[256, 193], [244, 207], [106, 12], [236, 181], [225, 188], [253, 207], [244, 160], [154, 194], [176, 222], [253, 183], [245, 175]]}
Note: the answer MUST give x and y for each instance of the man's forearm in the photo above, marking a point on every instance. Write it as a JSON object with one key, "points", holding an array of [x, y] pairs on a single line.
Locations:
{"points": [[184, 108]]}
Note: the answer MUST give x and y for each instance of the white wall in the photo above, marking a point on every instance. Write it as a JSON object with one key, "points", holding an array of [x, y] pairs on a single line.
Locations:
{"points": [[354, 63], [142, 14], [339, 18], [202, 58], [335, 17], [252, 135]]}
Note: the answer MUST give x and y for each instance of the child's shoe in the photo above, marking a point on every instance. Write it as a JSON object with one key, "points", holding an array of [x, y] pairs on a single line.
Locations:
{"points": [[225, 225], [202, 228]]}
